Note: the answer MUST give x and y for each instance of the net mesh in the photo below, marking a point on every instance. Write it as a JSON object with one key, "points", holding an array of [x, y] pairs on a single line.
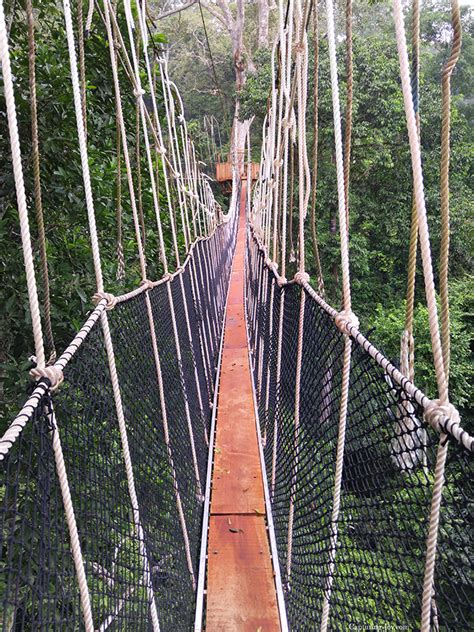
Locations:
{"points": [[387, 476], [37, 581]]}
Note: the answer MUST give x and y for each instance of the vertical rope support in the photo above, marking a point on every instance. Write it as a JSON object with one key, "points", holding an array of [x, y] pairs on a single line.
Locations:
{"points": [[48, 330], [270, 338], [179, 360], [164, 416], [20, 191], [129, 470], [444, 182], [314, 228], [349, 97], [420, 201], [296, 442], [197, 300], [34, 308], [341, 438], [304, 191], [341, 194], [407, 347], [265, 273], [277, 390], [104, 319], [432, 539], [347, 312], [286, 143], [147, 296], [82, 60], [72, 526]]}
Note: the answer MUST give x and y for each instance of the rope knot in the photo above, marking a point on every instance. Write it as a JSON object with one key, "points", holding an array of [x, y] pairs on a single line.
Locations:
{"points": [[110, 298], [435, 412], [147, 283], [53, 373], [277, 163], [346, 319], [301, 277], [138, 92]]}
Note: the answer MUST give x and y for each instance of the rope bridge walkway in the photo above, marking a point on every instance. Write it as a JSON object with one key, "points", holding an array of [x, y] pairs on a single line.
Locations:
{"points": [[220, 448]]}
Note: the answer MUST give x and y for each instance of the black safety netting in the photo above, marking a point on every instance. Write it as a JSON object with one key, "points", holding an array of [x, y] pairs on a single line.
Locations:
{"points": [[129, 553], [379, 550]]}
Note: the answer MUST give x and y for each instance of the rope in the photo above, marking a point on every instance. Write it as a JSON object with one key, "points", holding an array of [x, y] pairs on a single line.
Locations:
{"points": [[420, 201], [444, 182], [341, 438], [147, 297], [341, 193], [349, 97], [407, 348], [82, 60], [20, 190], [118, 203], [100, 288], [48, 330], [138, 161], [296, 430], [314, 229], [432, 540]]}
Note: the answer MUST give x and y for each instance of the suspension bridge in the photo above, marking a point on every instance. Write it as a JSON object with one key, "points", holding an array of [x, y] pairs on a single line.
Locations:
{"points": [[220, 448]]}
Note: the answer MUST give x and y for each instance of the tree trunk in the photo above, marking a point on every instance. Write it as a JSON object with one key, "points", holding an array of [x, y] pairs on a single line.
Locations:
{"points": [[263, 15]]}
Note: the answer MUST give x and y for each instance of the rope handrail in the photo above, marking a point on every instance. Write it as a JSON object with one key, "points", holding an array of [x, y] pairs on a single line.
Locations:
{"points": [[22, 417], [445, 424]]}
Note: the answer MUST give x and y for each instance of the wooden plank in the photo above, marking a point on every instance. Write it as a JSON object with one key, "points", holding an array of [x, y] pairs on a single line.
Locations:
{"points": [[241, 592], [240, 595]]}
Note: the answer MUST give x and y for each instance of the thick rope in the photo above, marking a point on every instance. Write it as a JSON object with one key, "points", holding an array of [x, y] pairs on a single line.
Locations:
{"points": [[82, 60], [37, 332], [444, 182], [118, 205], [407, 346], [341, 193], [432, 540], [420, 201], [72, 526], [341, 439], [104, 319], [147, 580], [143, 270], [314, 228], [20, 191], [349, 98], [160, 230], [48, 330], [296, 438]]}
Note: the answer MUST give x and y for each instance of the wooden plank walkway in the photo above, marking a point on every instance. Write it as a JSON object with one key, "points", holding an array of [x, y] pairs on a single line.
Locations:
{"points": [[241, 593]]}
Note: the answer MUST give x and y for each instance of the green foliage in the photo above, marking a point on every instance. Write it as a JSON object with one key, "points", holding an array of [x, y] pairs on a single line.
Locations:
{"points": [[68, 243], [380, 197], [387, 323]]}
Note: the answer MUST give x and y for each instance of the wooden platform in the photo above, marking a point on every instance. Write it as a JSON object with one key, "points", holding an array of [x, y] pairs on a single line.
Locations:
{"points": [[241, 595]]}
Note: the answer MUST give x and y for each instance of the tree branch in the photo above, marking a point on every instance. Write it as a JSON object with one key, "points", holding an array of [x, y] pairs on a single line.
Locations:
{"points": [[212, 10], [183, 7]]}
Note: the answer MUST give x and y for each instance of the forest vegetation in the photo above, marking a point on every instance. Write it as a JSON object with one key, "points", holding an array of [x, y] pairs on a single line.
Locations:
{"points": [[220, 52], [220, 58]]}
